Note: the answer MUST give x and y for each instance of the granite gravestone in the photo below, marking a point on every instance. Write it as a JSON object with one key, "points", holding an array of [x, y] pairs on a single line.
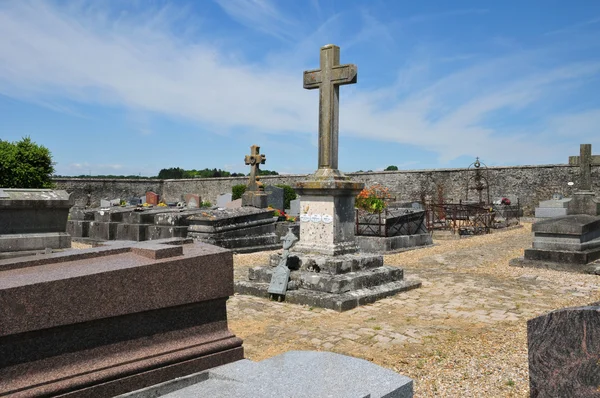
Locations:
{"points": [[223, 199], [105, 321], [254, 194], [294, 210], [564, 353], [275, 197], [583, 201], [331, 274]]}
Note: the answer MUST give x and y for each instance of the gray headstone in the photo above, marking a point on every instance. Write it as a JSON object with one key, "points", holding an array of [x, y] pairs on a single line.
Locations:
{"points": [[223, 199], [294, 208], [115, 202], [564, 353], [275, 197], [104, 203], [300, 374], [134, 201]]}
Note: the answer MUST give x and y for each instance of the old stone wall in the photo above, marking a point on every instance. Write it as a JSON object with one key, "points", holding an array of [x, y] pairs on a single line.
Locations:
{"points": [[530, 184]]}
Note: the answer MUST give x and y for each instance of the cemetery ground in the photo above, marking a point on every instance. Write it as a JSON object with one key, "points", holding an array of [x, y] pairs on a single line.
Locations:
{"points": [[463, 333]]}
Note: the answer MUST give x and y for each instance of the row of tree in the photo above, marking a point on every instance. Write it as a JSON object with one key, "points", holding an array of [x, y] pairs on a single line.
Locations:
{"points": [[178, 173]]}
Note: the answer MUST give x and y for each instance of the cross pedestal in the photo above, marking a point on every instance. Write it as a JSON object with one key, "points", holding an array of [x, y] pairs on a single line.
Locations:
{"points": [[583, 201], [327, 197], [255, 195]]}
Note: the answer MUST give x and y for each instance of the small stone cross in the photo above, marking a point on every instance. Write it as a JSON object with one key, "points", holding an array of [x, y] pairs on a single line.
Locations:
{"points": [[328, 80], [254, 160], [585, 161]]}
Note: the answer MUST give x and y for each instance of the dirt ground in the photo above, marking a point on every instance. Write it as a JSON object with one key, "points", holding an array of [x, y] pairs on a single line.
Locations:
{"points": [[462, 334]]}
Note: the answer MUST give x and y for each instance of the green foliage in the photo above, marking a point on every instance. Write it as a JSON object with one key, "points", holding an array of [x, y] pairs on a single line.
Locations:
{"points": [[24, 164], [267, 173], [206, 203], [171, 173], [288, 195], [391, 168], [178, 173], [237, 191]]}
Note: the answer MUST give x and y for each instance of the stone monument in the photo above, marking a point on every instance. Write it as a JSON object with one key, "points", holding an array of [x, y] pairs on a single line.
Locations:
{"points": [[255, 194], [33, 219], [571, 242], [330, 274]]}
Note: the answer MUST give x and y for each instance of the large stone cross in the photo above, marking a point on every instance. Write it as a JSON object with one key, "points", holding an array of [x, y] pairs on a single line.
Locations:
{"points": [[254, 160], [585, 161], [328, 80]]}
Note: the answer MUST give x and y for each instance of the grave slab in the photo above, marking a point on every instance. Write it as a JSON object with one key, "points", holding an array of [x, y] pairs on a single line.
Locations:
{"points": [[275, 197]]}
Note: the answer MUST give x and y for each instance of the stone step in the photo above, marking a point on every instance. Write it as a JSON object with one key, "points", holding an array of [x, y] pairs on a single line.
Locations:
{"points": [[336, 302], [332, 265]]}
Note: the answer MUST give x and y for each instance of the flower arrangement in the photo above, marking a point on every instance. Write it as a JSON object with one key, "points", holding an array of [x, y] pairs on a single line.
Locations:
{"points": [[373, 199]]}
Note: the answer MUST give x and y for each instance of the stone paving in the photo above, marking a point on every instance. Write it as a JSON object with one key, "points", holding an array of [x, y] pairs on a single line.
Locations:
{"points": [[462, 334]]}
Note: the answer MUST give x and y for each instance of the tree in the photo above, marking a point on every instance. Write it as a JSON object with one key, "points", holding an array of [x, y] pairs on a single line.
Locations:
{"points": [[24, 164], [391, 168], [171, 173]]}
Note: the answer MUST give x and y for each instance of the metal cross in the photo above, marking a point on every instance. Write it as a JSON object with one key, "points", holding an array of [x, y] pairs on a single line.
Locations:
{"points": [[254, 160], [585, 161], [328, 80]]}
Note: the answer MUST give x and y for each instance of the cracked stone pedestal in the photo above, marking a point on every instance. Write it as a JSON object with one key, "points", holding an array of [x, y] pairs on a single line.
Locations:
{"points": [[568, 243], [326, 269]]}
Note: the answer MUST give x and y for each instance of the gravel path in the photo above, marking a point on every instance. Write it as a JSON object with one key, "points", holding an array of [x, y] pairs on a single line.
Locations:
{"points": [[463, 334]]}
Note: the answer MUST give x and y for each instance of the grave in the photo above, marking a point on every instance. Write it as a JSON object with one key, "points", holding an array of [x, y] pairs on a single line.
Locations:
{"points": [[326, 269], [394, 229], [223, 199], [110, 320], [301, 374], [33, 220], [243, 230], [152, 198], [564, 353], [254, 194], [192, 201], [294, 209], [571, 242], [555, 207], [275, 197]]}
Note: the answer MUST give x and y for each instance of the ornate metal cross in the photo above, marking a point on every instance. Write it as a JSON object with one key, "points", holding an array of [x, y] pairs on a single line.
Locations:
{"points": [[585, 161], [328, 80], [254, 160]]}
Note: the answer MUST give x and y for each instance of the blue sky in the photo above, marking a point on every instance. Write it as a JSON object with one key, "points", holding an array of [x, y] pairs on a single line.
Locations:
{"points": [[130, 87]]}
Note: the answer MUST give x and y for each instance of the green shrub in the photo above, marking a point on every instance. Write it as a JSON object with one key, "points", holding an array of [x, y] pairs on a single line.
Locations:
{"points": [[237, 191], [24, 164], [288, 195]]}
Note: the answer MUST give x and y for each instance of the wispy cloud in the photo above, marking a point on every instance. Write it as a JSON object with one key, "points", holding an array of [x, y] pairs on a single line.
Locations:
{"points": [[86, 56], [574, 27]]}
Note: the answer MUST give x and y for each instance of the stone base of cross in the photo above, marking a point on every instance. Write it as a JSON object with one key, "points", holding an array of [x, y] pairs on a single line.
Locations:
{"points": [[584, 201]]}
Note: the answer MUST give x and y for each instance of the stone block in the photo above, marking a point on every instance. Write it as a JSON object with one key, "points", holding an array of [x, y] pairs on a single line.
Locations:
{"points": [[564, 353], [154, 232], [37, 211], [107, 321], [81, 213], [305, 373], [234, 204], [114, 214], [555, 203], [134, 232], [78, 228], [550, 212], [294, 210], [379, 244], [152, 198], [192, 201], [31, 241], [103, 230]]}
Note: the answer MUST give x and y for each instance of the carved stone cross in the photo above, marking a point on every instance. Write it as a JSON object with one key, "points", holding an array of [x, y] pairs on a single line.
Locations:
{"points": [[585, 161], [328, 80], [254, 160]]}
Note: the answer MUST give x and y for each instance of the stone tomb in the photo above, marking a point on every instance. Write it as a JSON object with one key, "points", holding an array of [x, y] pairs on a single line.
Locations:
{"points": [[110, 320], [243, 230], [33, 219], [567, 243], [564, 353], [325, 268], [301, 374], [552, 208], [393, 230]]}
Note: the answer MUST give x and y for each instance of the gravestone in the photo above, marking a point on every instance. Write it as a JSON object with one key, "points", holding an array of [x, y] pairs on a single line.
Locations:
{"points": [[33, 219], [294, 210], [152, 198], [584, 201], [275, 197], [332, 274], [564, 353], [254, 194], [115, 202], [134, 201], [104, 203], [223, 199], [192, 201], [234, 204], [110, 320]]}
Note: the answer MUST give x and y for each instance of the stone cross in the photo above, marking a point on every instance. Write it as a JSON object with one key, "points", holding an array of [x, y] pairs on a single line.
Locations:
{"points": [[585, 161], [328, 80], [254, 160]]}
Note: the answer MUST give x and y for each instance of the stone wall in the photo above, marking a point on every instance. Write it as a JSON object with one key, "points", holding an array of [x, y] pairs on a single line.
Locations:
{"points": [[530, 184]]}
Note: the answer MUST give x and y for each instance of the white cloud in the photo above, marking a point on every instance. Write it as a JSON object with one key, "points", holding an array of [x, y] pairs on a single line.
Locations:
{"points": [[88, 55]]}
